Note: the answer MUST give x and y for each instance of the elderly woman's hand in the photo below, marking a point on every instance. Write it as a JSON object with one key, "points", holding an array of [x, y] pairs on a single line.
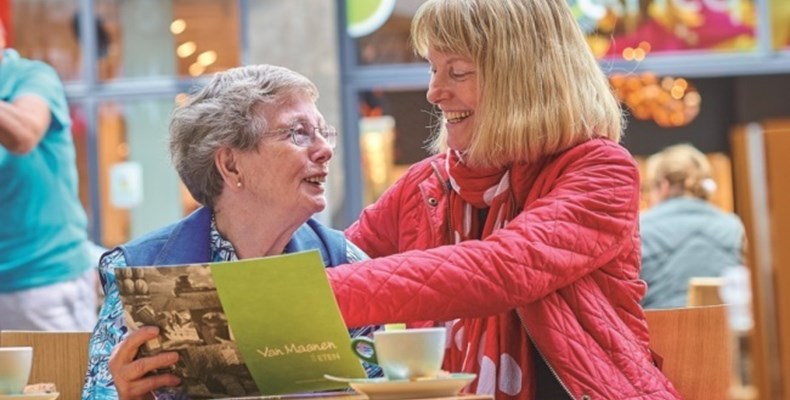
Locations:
{"points": [[130, 375]]}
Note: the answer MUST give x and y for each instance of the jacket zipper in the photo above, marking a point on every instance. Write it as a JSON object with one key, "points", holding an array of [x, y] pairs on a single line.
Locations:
{"points": [[444, 184], [544, 358]]}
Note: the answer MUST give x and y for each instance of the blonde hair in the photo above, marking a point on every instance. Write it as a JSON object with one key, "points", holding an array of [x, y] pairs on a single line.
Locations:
{"points": [[684, 168], [540, 91]]}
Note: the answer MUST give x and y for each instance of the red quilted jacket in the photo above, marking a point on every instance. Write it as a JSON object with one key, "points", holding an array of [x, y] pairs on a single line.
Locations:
{"points": [[569, 263]]}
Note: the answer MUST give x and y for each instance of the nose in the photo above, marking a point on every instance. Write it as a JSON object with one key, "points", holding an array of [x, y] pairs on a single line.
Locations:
{"points": [[321, 151], [437, 90]]}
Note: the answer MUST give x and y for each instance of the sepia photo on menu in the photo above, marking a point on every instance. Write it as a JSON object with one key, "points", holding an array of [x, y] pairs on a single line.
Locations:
{"points": [[183, 302]]}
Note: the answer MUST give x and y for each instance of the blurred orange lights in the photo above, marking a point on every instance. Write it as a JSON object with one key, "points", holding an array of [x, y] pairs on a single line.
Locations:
{"points": [[178, 26], [186, 49], [677, 92], [207, 58], [670, 102], [196, 69], [637, 54]]}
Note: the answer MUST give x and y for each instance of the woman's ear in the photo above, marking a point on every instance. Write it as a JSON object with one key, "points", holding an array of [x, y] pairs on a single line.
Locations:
{"points": [[658, 192], [664, 189], [227, 163]]}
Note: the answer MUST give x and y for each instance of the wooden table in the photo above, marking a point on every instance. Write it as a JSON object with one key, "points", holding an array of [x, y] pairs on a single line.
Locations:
{"points": [[354, 396]]}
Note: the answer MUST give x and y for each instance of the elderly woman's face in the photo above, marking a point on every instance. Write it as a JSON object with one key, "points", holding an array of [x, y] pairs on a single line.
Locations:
{"points": [[453, 89], [282, 174]]}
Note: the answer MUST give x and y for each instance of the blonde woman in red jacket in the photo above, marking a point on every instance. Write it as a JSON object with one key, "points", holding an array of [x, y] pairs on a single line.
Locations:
{"points": [[521, 234]]}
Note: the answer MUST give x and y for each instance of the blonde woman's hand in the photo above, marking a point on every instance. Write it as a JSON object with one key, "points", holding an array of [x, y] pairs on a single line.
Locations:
{"points": [[131, 376]]}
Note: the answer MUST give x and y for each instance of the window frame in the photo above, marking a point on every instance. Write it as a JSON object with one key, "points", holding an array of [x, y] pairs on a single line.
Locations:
{"points": [[88, 91]]}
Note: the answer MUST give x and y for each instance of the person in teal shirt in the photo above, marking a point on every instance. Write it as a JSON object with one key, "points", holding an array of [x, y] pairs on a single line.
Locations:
{"points": [[46, 276]]}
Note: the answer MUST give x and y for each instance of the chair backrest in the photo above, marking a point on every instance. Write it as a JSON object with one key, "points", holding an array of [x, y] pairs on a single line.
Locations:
{"points": [[695, 344], [704, 291], [58, 357]]}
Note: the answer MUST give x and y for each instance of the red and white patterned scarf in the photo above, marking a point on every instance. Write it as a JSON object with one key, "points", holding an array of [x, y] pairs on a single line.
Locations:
{"points": [[496, 347], [475, 189]]}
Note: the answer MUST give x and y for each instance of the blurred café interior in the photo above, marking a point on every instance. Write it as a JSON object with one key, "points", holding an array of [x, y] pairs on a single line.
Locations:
{"points": [[713, 73]]}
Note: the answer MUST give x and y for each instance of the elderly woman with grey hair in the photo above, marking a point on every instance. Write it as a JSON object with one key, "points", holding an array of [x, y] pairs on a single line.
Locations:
{"points": [[254, 150]]}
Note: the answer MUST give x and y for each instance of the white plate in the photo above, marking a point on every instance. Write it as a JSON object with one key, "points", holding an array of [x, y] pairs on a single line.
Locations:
{"points": [[30, 396], [383, 389]]}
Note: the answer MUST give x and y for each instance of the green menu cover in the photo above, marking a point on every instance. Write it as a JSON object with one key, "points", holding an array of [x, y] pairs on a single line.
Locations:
{"points": [[261, 326]]}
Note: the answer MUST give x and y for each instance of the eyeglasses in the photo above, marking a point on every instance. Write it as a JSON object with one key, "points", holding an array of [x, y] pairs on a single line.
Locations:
{"points": [[304, 135]]}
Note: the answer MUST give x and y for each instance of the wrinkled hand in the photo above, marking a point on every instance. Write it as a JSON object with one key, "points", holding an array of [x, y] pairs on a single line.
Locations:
{"points": [[130, 374]]}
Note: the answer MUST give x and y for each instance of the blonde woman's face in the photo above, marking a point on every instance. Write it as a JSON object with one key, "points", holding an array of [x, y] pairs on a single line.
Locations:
{"points": [[453, 89]]}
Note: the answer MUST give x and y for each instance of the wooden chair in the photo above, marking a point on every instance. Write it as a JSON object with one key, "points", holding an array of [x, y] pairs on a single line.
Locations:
{"points": [[695, 344], [704, 291], [58, 357]]}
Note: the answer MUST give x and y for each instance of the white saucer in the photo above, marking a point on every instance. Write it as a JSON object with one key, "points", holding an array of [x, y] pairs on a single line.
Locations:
{"points": [[30, 396], [384, 389]]}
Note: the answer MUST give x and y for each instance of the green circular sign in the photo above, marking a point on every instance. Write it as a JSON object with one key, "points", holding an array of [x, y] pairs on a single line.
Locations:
{"points": [[365, 16]]}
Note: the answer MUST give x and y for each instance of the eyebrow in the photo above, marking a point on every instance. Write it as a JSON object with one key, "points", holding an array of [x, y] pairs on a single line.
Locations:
{"points": [[321, 123], [460, 59], [455, 60]]}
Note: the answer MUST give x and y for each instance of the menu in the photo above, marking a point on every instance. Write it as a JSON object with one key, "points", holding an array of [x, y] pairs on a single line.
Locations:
{"points": [[263, 326]]}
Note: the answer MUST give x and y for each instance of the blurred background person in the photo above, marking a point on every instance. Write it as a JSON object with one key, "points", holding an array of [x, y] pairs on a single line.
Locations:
{"points": [[684, 235], [46, 274], [254, 150]]}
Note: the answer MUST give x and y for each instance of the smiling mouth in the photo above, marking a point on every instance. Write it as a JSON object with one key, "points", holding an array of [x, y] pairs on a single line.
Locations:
{"points": [[456, 117], [318, 180]]}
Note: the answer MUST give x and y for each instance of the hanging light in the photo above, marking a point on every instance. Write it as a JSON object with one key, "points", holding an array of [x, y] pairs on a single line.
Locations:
{"points": [[178, 26], [207, 58], [186, 49], [668, 101], [196, 69]]}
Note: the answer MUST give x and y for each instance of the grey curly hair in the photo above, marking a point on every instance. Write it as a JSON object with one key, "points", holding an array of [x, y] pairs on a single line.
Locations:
{"points": [[226, 113]]}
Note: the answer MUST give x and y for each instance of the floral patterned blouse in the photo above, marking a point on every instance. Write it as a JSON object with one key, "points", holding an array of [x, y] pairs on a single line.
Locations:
{"points": [[110, 329]]}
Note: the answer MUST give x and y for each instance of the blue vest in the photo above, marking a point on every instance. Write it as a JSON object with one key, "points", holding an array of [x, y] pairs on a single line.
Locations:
{"points": [[188, 242]]}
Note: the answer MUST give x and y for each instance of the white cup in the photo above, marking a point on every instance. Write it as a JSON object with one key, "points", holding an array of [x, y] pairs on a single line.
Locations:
{"points": [[406, 354], [15, 363]]}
